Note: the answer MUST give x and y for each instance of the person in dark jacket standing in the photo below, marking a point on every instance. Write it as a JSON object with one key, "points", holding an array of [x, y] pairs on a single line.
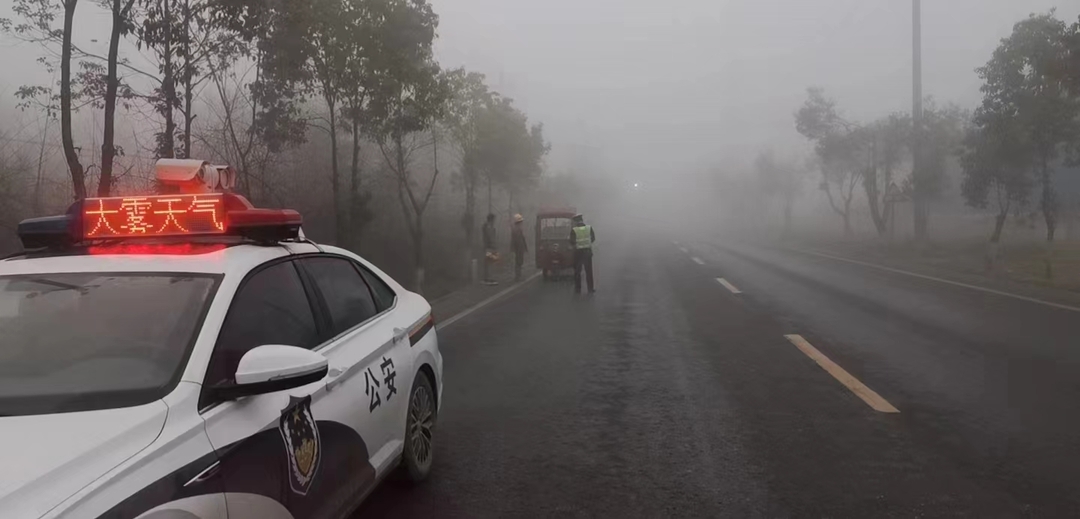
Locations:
{"points": [[490, 254], [518, 245], [582, 237]]}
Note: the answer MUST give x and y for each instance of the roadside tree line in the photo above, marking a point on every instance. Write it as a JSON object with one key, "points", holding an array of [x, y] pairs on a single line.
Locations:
{"points": [[877, 157], [267, 87], [1027, 128], [1010, 151]]}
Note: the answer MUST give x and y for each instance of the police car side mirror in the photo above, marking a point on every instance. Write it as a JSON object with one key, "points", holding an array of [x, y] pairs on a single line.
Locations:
{"points": [[271, 368]]}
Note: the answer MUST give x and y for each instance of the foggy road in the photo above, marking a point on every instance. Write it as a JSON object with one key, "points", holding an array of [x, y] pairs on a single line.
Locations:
{"points": [[673, 393]]}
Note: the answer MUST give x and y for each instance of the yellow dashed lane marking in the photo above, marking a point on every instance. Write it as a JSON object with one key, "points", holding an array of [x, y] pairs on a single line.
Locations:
{"points": [[728, 286], [868, 395]]}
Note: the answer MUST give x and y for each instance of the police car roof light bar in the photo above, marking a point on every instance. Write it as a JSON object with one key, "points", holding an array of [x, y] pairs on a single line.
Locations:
{"points": [[160, 216], [47, 231], [265, 225]]}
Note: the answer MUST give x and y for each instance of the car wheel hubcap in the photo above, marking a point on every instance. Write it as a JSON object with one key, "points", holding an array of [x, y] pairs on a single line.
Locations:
{"points": [[421, 411]]}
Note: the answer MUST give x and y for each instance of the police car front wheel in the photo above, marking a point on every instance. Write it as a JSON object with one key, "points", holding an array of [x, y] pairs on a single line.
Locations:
{"points": [[419, 430]]}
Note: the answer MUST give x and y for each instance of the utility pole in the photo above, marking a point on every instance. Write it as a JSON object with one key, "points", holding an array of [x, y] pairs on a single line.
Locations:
{"points": [[919, 196]]}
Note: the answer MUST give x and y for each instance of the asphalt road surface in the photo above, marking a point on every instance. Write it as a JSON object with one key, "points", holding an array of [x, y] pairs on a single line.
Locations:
{"points": [[668, 394]]}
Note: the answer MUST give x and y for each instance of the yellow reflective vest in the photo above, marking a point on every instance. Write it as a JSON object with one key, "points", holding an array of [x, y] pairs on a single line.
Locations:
{"points": [[583, 237]]}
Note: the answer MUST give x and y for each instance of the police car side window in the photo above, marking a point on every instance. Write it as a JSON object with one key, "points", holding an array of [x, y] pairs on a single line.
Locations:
{"points": [[270, 308], [345, 293], [384, 295]]}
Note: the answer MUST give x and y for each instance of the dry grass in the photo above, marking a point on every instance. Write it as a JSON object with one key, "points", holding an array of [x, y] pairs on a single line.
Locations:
{"points": [[1021, 261]]}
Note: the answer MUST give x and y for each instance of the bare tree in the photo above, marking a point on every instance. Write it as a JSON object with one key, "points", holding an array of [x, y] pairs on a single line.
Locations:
{"points": [[778, 178], [37, 26], [121, 25], [232, 135], [838, 145]]}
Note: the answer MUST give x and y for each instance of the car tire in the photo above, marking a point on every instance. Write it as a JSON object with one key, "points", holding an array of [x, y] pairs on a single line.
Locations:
{"points": [[418, 453]]}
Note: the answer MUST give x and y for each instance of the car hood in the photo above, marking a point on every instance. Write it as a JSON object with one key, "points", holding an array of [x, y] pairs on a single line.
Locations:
{"points": [[48, 458]]}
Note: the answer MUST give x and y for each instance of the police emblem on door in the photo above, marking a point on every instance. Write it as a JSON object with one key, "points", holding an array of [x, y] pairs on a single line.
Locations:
{"points": [[302, 446]]}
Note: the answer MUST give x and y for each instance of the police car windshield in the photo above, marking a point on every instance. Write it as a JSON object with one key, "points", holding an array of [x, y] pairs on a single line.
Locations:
{"points": [[82, 341]]}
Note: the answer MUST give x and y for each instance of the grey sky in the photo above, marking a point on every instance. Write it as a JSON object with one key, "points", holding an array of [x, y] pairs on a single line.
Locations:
{"points": [[657, 86], [653, 87]]}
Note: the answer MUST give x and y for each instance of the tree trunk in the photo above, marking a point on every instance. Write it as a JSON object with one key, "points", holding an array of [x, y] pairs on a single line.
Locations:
{"points": [[413, 220], [245, 154], [787, 217], [40, 169], [72, 157], [335, 182], [112, 84], [1049, 201], [846, 211], [188, 79], [418, 254], [870, 184], [876, 212], [888, 210], [354, 186], [993, 246], [848, 232], [918, 196], [999, 224], [354, 170], [468, 220], [168, 86], [1049, 210], [922, 223]]}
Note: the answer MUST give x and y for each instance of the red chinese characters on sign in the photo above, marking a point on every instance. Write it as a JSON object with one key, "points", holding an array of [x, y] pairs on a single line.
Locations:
{"points": [[135, 209], [147, 216], [99, 218]]}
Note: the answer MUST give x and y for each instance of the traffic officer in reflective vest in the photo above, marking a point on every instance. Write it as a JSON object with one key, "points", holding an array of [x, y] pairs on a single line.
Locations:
{"points": [[581, 240]]}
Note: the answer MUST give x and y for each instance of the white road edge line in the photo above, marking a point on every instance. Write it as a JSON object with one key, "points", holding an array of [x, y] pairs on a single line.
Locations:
{"points": [[940, 280], [728, 286], [697, 260], [683, 249], [481, 304], [867, 395]]}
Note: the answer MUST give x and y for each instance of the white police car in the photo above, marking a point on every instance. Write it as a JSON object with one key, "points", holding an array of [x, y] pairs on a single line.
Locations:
{"points": [[190, 356]]}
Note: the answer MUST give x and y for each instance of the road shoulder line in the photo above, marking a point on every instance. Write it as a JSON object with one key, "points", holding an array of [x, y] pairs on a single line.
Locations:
{"points": [[940, 280], [874, 400], [697, 260], [481, 304]]}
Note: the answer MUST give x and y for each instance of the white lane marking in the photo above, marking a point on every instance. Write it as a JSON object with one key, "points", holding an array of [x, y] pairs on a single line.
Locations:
{"points": [[485, 302], [945, 281], [697, 260], [728, 286], [684, 251], [867, 395]]}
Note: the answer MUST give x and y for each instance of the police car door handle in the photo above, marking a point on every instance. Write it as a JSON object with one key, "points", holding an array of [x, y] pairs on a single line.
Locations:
{"points": [[334, 377], [400, 334]]}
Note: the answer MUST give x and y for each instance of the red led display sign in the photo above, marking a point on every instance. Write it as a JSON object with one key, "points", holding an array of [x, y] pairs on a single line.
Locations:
{"points": [[148, 216]]}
